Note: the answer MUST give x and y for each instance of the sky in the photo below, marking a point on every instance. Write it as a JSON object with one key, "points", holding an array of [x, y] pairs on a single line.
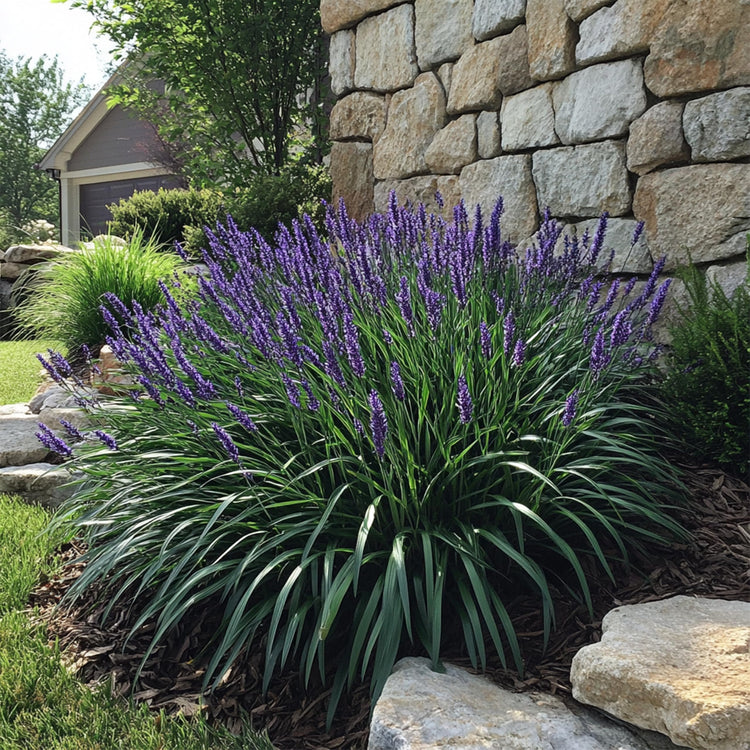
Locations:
{"points": [[32, 28]]}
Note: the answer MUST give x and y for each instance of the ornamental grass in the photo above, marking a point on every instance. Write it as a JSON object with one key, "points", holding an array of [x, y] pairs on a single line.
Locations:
{"points": [[369, 444]]}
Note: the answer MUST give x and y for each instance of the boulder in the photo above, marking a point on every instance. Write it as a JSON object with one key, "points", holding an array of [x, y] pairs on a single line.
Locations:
{"points": [[352, 177], [384, 51], [18, 443], [340, 14], [360, 115], [41, 483], [33, 253], [700, 211], [680, 666], [48, 395], [488, 135], [442, 30], [70, 412], [528, 119], [485, 181], [599, 102], [416, 190], [583, 180], [453, 147], [628, 259], [729, 277], [12, 271], [421, 709], [493, 17], [717, 126], [341, 59], [699, 46], [552, 39], [414, 117], [656, 138], [474, 84]]}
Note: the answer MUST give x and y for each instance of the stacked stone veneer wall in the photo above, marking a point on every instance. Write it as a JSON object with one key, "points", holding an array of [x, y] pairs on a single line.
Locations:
{"points": [[636, 107]]}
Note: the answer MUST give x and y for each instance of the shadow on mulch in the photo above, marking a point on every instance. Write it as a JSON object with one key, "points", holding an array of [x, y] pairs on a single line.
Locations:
{"points": [[714, 564]]}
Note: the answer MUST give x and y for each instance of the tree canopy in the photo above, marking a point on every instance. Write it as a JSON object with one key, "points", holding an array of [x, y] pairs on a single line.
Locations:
{"points": [[237, 75], [35, 105]]}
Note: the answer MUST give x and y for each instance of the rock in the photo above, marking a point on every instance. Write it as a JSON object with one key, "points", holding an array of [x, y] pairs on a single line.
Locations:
{"points": [[340, 14], [474, 84], [577, 10], [488, 135], [583, 180], [420, 709], [552, 39], [442, 30], [717, 127], [12, 271], [445, 74], [656, 138], [507, 176], [626, 28], [699, 47], [67, 410], [680, 666], [341, 59], [14, 409], [453, 147], [384, 51], [32, 253], [493, 17], [513, 74], [360, 115], [730, 277], [18, 443], [702, 211], [418, 190], [41, 483], [599, 102], [528, 119], [54, 395], [414, 117], [627, 258], [352, 177]]}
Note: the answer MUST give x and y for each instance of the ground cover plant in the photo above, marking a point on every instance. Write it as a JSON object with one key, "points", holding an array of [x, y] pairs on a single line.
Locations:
{"points": [[42, 705], [19, 368], [707, 385], [354, 446], [63, 299]]}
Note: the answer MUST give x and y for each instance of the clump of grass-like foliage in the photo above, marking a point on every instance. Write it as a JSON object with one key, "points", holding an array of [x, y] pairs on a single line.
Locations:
{"points": [[379, 439], [62, 299], [707, 386]]}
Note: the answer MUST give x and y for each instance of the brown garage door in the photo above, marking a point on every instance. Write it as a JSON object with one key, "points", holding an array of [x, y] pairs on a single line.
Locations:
{"points": [[95, 198]]}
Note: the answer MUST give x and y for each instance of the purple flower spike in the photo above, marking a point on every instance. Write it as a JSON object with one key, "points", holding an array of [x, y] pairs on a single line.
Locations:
{"points": [[599, 359], [509, 331], [72, 430], [465, 405], [571, 404], [403, 298], [49, 440], [107, 439], [351, 342], [397, 384], [378, 423], [242, 418], [485, 340], [227, 443], [519, 353], [658, 302], [292, 391], [637, 232]]}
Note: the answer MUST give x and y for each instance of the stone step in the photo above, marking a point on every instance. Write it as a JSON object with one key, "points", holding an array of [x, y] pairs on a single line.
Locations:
{"points": [[18, 442], [421, 709], [41, 483]]}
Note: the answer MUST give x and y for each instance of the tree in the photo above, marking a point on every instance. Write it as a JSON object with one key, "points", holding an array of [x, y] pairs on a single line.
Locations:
{"points": [[35, 104], [238, 77]]}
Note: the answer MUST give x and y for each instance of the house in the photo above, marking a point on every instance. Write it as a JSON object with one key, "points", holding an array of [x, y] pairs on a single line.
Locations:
{"points": [[104, 155]]}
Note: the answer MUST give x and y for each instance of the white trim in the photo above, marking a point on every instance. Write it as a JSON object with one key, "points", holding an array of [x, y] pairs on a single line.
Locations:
{"points": [[115, 171]]}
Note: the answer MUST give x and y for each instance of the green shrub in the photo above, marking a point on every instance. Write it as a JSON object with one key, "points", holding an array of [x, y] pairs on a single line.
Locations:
{"points": [[355, 447], [707, 387], [180, 215], [65, 295]]}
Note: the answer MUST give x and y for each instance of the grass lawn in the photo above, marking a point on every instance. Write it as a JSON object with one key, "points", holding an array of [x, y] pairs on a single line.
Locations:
{"points": [[19, 369], [41, 704]]}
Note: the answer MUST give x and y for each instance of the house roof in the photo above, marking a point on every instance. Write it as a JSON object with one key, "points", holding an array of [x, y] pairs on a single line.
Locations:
{"points": [[81, 127]]}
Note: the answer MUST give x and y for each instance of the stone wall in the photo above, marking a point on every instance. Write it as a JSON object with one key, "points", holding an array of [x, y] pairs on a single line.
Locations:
{"points": [[636, 107]]}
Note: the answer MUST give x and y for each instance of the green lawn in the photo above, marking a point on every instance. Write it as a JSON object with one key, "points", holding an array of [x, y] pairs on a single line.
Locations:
{"points": [[19, 369], [41, 704]]}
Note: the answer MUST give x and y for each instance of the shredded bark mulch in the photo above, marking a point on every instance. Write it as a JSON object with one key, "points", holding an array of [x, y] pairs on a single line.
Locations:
{"points": [[715, 563]]}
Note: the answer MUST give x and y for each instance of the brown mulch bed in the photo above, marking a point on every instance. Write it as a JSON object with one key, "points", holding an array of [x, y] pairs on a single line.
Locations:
{"points": [[715, 564]]}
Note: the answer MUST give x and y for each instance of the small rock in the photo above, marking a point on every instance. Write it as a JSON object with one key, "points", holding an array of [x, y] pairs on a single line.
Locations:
{"points": [[493, 17], [552, 39], [361, 115], [442, 30], [18, 443], [341, 62], [51, 416], [41, 483], [679, 666], [579, 9], [453, 147], [12, 271], [56, 395], [488, 135], [656, 138], [717, 127], [528, 119], [730, 277], [340, 14], [475, 79], [33, 253]]}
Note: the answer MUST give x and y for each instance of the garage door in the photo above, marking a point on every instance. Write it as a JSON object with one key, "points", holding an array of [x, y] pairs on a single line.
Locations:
{"points": [[95, 198]]}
